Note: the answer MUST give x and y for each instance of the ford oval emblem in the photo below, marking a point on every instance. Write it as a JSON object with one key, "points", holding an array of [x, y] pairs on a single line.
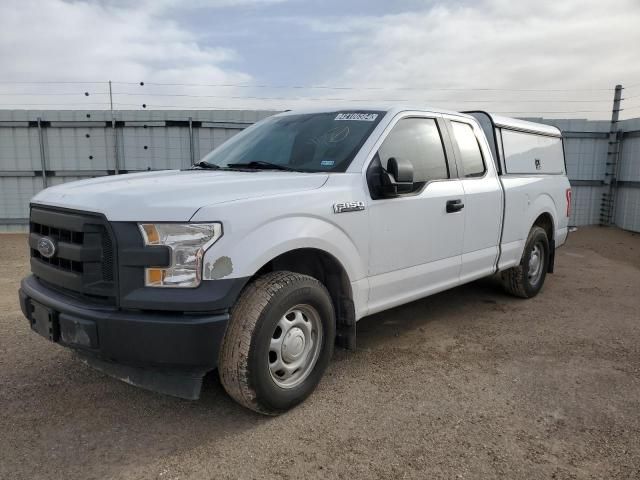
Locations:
{"points": [[46, 247]]}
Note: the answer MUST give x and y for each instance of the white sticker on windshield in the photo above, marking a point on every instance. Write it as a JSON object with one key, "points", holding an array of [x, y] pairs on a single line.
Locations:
{"points": [[364, 117]]}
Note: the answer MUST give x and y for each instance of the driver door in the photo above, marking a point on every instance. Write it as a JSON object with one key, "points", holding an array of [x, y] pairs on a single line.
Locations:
{"points": [[416, 238]]}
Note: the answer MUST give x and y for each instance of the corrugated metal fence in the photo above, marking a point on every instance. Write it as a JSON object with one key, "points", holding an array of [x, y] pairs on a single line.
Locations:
{"points": [[39, 148], [45, 148], [628, 178]]}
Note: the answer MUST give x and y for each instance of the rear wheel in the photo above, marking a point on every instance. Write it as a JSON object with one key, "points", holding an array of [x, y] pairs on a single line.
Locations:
{"points": [[278, 342], [526, 279]]}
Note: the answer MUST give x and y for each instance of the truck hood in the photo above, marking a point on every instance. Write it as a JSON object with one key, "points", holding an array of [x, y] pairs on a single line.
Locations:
{"points": [[172, 195]]}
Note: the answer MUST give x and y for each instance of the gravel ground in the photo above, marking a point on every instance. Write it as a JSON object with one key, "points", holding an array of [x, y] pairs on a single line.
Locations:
{"points": [[469, 383]]}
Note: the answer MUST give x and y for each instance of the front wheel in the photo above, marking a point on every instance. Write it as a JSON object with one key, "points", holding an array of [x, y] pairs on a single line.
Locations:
{"points": [[526, 279], [278, 342]]}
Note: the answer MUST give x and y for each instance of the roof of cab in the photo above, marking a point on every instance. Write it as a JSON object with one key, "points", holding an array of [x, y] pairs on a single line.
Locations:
{"points": [[500, 121], [371, 108]]}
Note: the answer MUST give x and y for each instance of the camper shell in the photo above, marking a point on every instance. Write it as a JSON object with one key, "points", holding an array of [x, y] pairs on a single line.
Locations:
{"points": [[522, 147]]}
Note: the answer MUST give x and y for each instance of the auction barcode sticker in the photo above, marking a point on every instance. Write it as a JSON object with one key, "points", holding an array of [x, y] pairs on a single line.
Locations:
{"points": [[365, 117]]}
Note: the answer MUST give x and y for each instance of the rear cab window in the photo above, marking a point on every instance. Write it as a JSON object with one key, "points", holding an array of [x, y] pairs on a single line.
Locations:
{"points": [[470, 156]]}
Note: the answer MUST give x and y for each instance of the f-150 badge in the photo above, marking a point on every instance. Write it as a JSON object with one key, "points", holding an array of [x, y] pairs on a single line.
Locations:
{"points": [[344, 207]]}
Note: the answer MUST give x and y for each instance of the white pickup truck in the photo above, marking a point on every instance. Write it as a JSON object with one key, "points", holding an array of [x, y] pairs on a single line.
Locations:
{"points": [[268, 251]]}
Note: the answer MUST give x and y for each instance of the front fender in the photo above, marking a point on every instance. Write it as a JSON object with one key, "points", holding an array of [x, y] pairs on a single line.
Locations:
{"points": [[249, 251]]}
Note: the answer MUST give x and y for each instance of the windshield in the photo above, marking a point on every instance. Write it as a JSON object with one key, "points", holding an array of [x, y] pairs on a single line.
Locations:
{"points": [[316, 142]]}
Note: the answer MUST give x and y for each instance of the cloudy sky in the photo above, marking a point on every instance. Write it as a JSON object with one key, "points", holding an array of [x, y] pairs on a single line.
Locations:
{"points": [[554, 58]]}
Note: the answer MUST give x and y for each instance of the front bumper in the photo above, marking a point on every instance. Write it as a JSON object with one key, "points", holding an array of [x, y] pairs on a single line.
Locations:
{"points": [[141, 347]]}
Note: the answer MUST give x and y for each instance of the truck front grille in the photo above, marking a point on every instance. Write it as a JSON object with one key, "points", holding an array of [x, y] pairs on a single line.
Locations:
{"points": [[84, 261], [61, 263], [63, 236], [107, 257]]}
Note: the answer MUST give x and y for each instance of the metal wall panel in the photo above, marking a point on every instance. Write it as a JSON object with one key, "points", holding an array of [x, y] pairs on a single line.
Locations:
{"points": [[155, 148], [585, 205], [629, 161], [60, 180], [72, 148], [628, 196], [628, 208], [19, 148], [630, 124], [15, 193], [584, 158]]}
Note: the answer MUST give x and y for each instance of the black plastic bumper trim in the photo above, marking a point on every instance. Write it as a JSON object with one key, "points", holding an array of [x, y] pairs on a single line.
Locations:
{"points": [[135, 338], [209, 296]]}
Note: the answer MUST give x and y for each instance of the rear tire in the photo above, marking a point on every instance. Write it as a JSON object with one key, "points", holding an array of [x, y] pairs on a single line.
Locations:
{"points": [[526, 279], [278, 342]]}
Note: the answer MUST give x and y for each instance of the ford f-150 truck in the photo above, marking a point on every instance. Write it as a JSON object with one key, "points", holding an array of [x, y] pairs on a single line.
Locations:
{"points": [[265, 254]]}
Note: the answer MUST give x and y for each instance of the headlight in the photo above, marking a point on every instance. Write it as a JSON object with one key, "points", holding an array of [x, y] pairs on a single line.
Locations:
{"points": [[188, 242]]}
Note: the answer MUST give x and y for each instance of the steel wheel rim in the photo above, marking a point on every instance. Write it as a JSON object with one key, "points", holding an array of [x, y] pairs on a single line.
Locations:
{"points": [[536, 260], [295, 346]]}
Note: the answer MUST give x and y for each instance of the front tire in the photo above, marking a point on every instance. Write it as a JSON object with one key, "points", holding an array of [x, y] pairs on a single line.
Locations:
{"points": [[278, 342], [526, 279]]}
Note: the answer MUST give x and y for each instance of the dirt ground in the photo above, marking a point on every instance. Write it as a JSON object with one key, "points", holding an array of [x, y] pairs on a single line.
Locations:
{"points": [[469, 383]]}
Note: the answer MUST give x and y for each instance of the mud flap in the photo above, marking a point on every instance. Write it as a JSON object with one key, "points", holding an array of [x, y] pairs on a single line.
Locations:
{"points": [[552, 255], [346, 327]]}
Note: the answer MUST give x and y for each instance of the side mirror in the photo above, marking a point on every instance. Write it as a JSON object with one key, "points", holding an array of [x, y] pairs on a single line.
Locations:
{"points": [[398, 178]]}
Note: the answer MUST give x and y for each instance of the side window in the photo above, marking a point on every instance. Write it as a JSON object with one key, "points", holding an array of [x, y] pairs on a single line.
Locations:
{"points": [[417, 140], [472, 162]]}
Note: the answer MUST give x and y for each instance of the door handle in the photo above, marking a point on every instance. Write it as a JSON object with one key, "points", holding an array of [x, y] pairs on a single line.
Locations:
{"points": [[454, 205]]}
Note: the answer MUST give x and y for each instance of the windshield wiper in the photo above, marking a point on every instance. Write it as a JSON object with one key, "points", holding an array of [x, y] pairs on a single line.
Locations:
{"points": [[259, 164], [203, 164]]}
